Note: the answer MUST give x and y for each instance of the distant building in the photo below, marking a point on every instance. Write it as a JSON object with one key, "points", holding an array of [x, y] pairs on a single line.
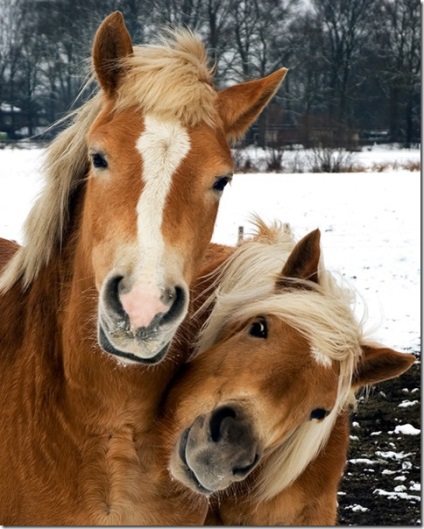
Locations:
{"points": [[11, 119]]}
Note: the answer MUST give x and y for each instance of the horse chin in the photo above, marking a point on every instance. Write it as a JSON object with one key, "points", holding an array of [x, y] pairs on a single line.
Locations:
{"points": [[133, 351]]}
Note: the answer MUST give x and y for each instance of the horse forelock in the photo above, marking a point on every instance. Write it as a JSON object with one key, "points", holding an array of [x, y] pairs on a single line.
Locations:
{"points": [[171, 79], [245, 288]]}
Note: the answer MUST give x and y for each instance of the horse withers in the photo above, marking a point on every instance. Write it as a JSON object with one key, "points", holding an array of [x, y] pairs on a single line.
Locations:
{"points": [[91, 301], [260, 414]]}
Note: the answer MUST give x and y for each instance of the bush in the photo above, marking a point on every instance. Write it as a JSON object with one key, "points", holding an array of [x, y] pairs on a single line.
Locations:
{"points": [[274, 159], [331, 160]]}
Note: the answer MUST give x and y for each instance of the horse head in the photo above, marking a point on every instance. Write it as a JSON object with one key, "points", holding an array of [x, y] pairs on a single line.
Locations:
{"points": [[160, 161], [282, 365]]}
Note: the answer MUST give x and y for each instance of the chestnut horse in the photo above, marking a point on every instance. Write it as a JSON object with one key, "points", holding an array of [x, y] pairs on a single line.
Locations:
{"points": [[100, 286], [258, 419]]}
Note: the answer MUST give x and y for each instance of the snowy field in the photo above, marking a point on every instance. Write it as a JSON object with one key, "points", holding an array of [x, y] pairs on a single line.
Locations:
{"points": [[370, 224]]}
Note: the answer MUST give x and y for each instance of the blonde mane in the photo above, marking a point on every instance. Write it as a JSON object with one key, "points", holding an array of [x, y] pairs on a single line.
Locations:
{"points": [[245, 288], [171, 79]]}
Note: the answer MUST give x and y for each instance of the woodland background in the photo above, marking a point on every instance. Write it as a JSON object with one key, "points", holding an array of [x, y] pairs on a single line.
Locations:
{"points": [[354, 65]]}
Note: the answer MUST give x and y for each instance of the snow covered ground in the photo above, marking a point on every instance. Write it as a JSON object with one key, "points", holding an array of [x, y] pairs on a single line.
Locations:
{"points": [[370, 224]]}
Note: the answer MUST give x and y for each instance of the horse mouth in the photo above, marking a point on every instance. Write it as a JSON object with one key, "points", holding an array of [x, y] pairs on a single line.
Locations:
{"points": [[128, 357], [218, 449], [190, 475]]}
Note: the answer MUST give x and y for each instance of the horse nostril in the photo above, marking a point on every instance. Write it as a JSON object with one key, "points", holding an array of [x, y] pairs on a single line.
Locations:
{"points": [[112, 290], [177, 297], [217, 420]]}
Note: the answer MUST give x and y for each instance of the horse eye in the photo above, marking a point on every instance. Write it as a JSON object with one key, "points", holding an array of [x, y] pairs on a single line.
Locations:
{"points": [[221, 182], [259, 328], [99, 161], [319, 414]]}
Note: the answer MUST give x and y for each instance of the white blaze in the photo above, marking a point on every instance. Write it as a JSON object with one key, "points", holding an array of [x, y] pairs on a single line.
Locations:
{"points": [[162, 146]]}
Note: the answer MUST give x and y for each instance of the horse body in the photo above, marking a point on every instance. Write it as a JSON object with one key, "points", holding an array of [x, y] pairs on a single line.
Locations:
{"points": [[92, 300], [260, 413]]}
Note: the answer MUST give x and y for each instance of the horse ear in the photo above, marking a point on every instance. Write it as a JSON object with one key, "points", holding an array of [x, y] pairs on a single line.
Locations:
{"points": [[112, 42], [240, 105], [303, 261], [378, 364]]}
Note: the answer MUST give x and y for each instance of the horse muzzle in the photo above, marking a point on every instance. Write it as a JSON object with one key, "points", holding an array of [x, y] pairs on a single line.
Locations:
{"points": [[136, 325], [219, 448]]}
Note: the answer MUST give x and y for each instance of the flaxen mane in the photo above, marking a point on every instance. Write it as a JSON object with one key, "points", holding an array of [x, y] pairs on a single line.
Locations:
{"points": [[171, 79], [245, 288]]}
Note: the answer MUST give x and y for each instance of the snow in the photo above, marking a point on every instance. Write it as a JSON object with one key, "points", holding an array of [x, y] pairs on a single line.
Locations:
{"points": [[356, 508], [392, 455], [369, 221], [407, 429], [408, 403], [362, 460], [20, 182], [396, 495]]}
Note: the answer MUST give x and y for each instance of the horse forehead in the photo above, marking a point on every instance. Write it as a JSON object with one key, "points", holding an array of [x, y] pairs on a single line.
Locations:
{"points": [[301, 348], [212, 145], [116, 128], [163, 144], [129, 127]]}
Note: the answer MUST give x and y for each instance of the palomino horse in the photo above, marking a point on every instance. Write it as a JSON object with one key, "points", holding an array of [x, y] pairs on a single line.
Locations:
{"points": [[101, 284], [260, 414]]}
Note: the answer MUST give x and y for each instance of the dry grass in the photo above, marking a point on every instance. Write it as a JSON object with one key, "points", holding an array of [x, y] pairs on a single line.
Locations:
{"points": [[412, 166], [380, 167], [319, 160]]}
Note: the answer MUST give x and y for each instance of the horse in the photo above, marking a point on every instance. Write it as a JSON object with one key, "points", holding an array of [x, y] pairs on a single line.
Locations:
{"points": [[258, 418], [91, 301]]}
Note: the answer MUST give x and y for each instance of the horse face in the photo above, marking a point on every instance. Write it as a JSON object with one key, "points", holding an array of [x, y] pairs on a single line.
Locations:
{"points": [[160, 161], [152, 200], [243, 397]]}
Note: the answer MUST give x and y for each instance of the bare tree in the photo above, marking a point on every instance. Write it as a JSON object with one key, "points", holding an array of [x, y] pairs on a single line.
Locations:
{"points": [[353, 63], [346, 31], [398, 40], [11, 27], [216, 30], [259, 33], [306, 86]]}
